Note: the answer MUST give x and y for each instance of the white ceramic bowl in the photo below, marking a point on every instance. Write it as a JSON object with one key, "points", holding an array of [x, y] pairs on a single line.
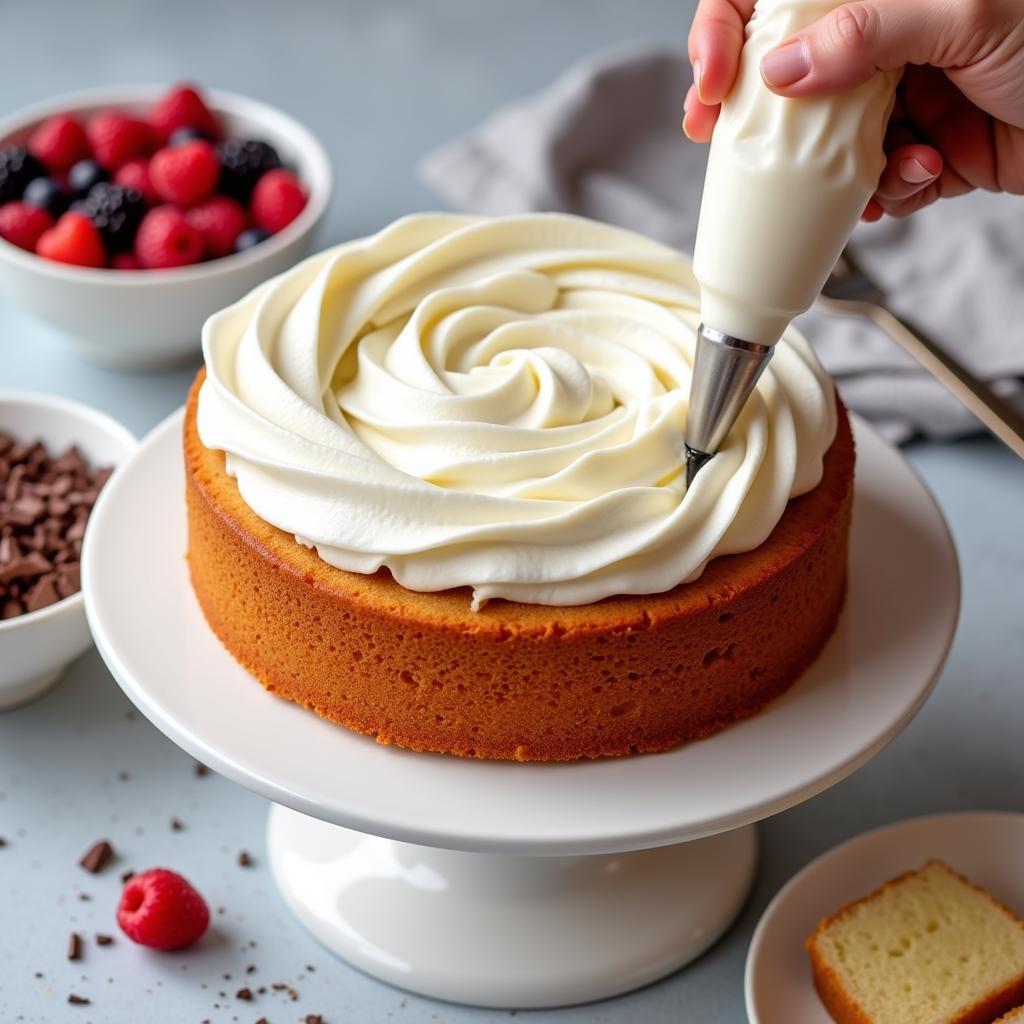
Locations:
{"points": [[139, 319], [35, 648]]}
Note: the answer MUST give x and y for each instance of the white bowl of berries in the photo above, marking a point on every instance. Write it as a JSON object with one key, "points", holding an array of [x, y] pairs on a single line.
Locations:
{"points": [[130, 214]]}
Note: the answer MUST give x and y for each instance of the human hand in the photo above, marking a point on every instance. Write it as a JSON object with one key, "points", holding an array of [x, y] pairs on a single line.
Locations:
{"points": [[958, 121]]}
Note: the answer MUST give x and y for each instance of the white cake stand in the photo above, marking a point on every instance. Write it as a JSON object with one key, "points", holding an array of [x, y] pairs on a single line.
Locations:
{"points": [[520, 885]]}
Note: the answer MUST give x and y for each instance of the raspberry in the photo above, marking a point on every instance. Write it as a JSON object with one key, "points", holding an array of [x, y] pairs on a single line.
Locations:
{"points": [[135, 174], [73, 239], [166, 239], [125, 261], [117, 138], [159, 909], [22, 224], [59, 142], [277, 200], [185, 174], [183, 107], [220, 221]]}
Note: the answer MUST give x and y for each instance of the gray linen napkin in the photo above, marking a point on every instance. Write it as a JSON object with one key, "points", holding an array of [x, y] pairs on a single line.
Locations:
{"points": [[604, 141]]}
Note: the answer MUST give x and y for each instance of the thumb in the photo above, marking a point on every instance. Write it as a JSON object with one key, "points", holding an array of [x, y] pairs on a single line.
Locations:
{"points": [[852, 42]]}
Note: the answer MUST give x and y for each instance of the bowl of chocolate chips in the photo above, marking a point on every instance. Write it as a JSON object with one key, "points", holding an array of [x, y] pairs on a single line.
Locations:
{"points": [[55, 457]]}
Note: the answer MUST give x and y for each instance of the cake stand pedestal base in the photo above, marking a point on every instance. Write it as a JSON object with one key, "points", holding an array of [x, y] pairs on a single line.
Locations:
{"points": [[509, 931]]}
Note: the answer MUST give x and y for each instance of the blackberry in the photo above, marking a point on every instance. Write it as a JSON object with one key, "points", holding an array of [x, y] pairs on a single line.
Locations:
{"points": [[250, 237], [17, 168], [242, 163], [116, 211], [84, 175], [47, 195]]}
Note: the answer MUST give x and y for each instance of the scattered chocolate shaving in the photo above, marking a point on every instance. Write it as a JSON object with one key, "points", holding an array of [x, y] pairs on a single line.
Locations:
{"points": [[245, 994], [97, 857], [177, 825], [201, 770], [84, 897], [127, 876], [244, 860], [75, 946], [3, 842], [278, 986], [103, 940], [311, 968], [314, 1018], [44, 506], [263, 1020], [123, 777], [250, 969], [78, 1000]]}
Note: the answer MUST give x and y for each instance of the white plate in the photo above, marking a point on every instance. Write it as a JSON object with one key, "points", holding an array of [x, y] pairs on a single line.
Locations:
{"points": [[988, 848], [870, 680]]}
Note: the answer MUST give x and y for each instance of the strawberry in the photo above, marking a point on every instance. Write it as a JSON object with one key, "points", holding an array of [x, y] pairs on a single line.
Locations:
{"points": [[73, 239], [125, 261], [183, 107], [59, 142], [185, 174], [220, 220], [117, 138], [166, 239], [22, 224], [159, 909], [277, 200]]}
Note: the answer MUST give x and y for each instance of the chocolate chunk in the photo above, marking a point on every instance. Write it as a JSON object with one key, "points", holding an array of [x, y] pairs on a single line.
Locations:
{"points": [[244, 994], [201, 770], [97, 857], [77, 1000], [244, 860], [103, 940], [177, 825], [75, 946], [32, 564], [30, 505], [263, 1020], [42, 594], [127, 876], [314, 1018], [9, 550], [10, 608]]}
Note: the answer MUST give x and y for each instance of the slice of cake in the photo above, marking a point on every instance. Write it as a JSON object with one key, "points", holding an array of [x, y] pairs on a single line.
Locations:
{"points": [[929, 947]]}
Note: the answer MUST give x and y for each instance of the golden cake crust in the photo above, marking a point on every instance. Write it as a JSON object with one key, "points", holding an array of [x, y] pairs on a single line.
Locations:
{"points": [[518, 681]]}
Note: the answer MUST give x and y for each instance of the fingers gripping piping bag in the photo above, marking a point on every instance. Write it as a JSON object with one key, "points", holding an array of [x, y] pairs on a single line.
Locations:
{"points": [[787, 180]]}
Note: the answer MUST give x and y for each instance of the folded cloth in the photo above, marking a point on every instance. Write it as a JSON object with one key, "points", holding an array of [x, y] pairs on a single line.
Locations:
{"points": [[604, 141]]}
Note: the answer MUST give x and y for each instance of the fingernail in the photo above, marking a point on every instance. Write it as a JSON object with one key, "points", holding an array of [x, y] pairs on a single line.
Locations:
{"points": [[914, 172], [691, 95], [786, 65], [697, 74]]}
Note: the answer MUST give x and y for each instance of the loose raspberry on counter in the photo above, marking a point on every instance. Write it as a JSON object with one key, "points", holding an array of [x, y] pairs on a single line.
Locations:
{"points": [[183, 107], [22, 224], [277, 200], [185, 174], [59, 142], [220, 221], [166, 239], [73, 239], [159, 909], [117, 138], [135, 174]]}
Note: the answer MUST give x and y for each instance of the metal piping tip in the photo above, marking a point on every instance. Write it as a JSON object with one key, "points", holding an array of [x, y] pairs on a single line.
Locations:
{"points": [[695, 461]]}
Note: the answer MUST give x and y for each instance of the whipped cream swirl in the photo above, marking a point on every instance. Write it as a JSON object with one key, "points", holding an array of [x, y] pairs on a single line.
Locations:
{"points": [[499, 404]]}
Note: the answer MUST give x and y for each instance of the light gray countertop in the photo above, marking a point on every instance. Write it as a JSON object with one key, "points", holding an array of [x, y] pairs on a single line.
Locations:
{"points": [[381, 83]]}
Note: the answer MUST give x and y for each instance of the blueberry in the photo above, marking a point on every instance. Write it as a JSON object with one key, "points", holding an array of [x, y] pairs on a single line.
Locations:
{"points": [[183, 135], [47, 195], [84, 175], [250, 237], [17, 168]]}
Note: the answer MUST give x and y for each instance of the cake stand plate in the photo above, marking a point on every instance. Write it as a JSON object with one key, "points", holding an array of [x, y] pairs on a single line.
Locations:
{"points": [[509, 884], [987, 847]]}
